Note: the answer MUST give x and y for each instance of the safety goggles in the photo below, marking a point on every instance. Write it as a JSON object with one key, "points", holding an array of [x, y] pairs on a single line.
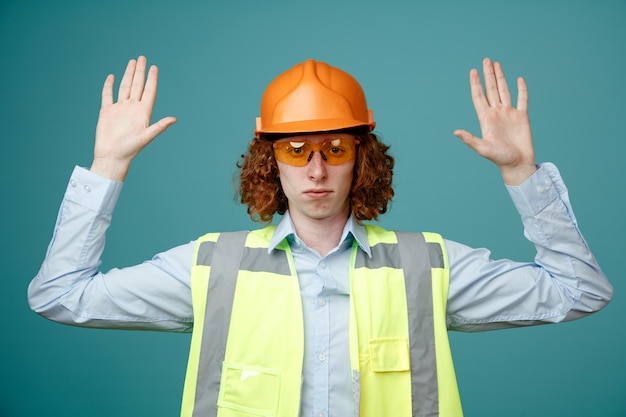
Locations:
{"points": [[299, 152]]}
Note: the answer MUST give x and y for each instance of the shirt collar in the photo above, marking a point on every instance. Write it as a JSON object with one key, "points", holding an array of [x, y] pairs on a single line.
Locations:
{"points": [[285, 228]]}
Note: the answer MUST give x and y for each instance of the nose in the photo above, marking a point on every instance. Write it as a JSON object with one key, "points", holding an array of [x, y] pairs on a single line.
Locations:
{"points": [[316, 167]]}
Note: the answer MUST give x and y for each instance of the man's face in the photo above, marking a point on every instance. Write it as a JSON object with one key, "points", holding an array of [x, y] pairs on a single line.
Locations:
{"points": [[317, 190]]}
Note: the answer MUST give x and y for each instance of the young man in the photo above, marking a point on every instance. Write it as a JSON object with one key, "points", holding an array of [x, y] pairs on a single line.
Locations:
{"points": [[320, 315]]}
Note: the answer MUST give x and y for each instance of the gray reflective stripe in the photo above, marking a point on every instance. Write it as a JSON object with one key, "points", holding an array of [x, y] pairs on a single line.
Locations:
{"points": [[435, 254], [252, 259], [416, 257], [386, 255], [224, 258], [383, 255], [205, 253], [258, 260], [356, 392]]}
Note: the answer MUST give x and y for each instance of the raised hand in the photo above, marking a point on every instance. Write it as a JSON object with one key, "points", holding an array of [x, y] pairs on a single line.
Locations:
{"points": [[506, 134], [124, 127]]}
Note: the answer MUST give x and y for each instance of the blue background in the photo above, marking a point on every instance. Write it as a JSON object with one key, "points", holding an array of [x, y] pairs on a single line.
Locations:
{"points": [[215, 59]]}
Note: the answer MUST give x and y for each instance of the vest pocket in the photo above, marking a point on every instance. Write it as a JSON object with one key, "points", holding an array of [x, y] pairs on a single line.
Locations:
{"points": [[251, 390], [389, 354]]}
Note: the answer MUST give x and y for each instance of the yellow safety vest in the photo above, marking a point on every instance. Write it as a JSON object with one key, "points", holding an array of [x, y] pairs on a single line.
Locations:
{"points": [[248, 341]]}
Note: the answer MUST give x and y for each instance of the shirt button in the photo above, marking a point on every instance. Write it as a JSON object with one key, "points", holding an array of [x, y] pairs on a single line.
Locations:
{"points": [[320, 415], [322, 264], [321, 357], [321, 302], [540, 188], [73, 183], [547, 182], [87, 188]]}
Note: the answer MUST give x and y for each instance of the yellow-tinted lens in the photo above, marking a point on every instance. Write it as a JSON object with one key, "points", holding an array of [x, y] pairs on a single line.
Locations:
{"points": [[299, 153]]}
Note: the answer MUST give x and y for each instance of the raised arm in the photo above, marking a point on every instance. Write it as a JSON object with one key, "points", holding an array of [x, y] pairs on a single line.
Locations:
{"points": [[564, 280], [124, 127], [506, 134], [70, 287]]}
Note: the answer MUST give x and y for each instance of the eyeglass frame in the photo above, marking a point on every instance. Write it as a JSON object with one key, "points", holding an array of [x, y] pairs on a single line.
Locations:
{"points": [[283, 154]]}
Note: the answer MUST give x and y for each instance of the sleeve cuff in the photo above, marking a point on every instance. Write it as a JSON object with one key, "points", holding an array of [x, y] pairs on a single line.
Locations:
{"points": [[93, 191], [538, 191]]}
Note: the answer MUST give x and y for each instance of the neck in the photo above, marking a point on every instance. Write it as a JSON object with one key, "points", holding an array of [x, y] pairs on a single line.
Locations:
{"points": [[322, 235]]}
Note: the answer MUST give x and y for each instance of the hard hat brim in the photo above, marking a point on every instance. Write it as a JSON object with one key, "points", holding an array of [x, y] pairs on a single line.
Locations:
{"points": [[310, 126]]}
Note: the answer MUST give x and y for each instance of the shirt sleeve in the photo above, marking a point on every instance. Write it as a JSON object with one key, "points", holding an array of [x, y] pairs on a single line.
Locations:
{"points": [[69, 287], [564, 282]]}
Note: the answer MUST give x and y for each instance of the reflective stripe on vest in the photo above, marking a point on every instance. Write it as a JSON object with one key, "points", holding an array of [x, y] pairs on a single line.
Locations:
{"points": [[422, 262]]}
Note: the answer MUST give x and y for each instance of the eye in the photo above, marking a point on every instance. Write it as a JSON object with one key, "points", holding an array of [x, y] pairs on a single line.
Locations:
{"points": [[296, 148], [334, 147], [335, 150]]}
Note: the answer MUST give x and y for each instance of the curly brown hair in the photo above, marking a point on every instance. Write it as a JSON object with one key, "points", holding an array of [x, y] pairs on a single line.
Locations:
{"points": [[371, 191]]}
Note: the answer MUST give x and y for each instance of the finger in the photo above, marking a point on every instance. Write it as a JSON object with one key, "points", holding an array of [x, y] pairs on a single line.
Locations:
{"points": [[522, 95], [476, 88], [491, 85], [150, 91], [157, 128], [464, 135], [127, 80], [470, 140], [503, 87], [139, 76], [107, 90]]}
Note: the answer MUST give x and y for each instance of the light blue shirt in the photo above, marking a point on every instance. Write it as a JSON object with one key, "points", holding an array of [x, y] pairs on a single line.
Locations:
{"points": [[325, 288], [563, 282]]}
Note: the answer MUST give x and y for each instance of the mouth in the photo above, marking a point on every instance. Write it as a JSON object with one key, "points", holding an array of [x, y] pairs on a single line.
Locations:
{"points": [[317, 193]]}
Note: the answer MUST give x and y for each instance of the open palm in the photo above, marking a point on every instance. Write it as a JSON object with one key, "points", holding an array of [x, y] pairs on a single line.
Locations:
{"points": [[506, 134]]}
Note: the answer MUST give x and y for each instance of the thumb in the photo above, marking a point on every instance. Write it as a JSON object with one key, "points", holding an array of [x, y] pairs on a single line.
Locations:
{"points": [[157, 128], [467, 138]]}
